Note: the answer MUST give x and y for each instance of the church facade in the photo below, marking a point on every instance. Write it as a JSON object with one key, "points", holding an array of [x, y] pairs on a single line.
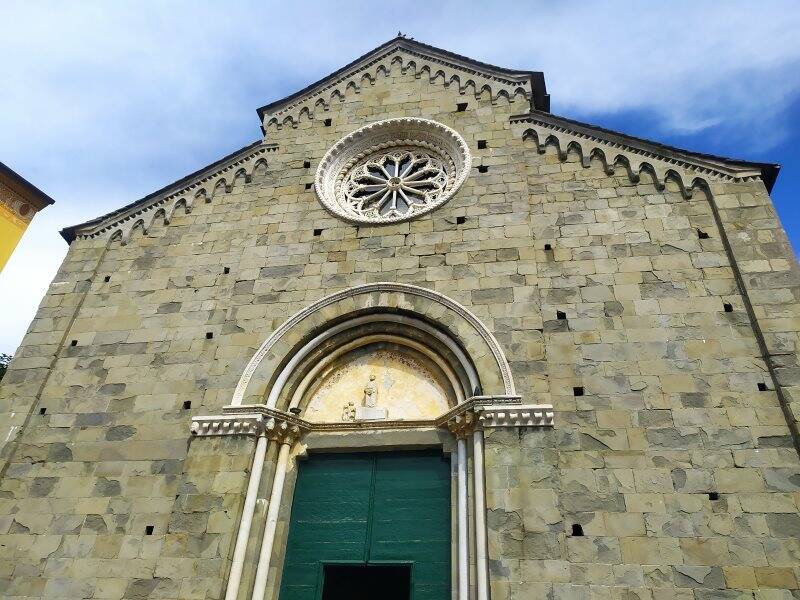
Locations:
{"points": [[423, 340]]}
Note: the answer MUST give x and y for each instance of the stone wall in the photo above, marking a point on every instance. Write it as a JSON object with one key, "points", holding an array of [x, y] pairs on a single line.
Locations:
{"points": [[133, 339]]}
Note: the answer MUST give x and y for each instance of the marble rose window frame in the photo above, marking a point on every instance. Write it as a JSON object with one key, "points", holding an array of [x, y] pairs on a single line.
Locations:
{"points": [[392, 170]]}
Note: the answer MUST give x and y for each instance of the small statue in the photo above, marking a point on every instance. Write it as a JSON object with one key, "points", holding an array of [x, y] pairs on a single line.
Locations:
{"points": [[349, 411], [371, 393]]}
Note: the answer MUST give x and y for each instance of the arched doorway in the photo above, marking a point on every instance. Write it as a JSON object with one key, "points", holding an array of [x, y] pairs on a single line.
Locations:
{"points": [[375, 373]]}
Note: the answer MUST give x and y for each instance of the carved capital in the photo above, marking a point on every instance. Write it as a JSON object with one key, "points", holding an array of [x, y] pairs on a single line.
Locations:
{"points": [[281, 431], [462, 424]]}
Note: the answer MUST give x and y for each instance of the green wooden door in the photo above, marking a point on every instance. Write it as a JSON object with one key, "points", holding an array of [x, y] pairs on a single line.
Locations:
{"points": [[382, 508]]}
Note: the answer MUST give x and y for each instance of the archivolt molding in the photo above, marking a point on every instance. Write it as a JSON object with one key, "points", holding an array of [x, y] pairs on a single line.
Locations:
{"points": [[204, 187], [380, 287], [688, 173], [449, 73]]}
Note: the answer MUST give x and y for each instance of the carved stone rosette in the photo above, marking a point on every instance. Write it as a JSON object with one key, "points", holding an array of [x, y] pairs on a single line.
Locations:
{"points": [[392, 170]]}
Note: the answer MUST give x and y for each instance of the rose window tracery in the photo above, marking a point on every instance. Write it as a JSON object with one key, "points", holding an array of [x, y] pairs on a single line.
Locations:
{"points": [[392, 171], [395, 184]]}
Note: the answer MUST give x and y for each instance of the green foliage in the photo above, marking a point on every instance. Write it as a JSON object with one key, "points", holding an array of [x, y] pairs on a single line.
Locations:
{"points": [[4, 360]]}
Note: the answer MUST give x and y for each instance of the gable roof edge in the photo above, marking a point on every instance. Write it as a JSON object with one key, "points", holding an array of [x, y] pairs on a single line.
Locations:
{"points": [[721, 165], [540, 99], [24, 188], [172, 190]]}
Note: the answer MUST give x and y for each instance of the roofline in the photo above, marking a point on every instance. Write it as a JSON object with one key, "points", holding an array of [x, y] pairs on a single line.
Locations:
{"points": [[540, 99], [32, 193], [769, 171], [69, 233]]}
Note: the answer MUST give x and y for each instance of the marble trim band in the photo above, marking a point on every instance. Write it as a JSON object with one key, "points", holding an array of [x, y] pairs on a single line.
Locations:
{"points": [[475, 412], [380, 287]]}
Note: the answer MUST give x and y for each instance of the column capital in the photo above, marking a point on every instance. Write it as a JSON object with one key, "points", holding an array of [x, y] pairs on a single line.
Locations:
{"points": [[280, 430], [462, 424]]}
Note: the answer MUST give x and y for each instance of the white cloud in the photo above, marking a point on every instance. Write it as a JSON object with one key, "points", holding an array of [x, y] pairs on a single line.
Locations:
{"points": [[105, 102]]}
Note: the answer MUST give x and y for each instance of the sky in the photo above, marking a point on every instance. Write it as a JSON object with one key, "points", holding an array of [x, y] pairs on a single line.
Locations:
{"points": [[105, 102]]}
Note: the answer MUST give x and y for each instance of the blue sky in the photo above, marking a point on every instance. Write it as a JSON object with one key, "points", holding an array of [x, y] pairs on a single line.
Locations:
{"points": [[105, 102]]}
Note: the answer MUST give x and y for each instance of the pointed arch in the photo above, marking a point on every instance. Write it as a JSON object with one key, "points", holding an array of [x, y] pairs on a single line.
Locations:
{"points": [[675, 177], [240, 176], [649, 170], [622, 161], [305, 112], [259, 169], [159, 213], [598, 155], [220, 187], [575, 148]]}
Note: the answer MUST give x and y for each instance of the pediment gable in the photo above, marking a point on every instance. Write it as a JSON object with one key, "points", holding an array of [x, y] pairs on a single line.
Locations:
{"points": [[466, 75]]}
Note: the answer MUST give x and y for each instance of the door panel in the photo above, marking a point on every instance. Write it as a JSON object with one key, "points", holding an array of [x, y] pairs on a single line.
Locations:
{"points": [[411, 518], [330, 518], [378, 508]]}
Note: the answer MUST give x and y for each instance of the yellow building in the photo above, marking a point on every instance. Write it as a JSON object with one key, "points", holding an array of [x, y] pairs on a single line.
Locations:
{"points": [[20, 200]]}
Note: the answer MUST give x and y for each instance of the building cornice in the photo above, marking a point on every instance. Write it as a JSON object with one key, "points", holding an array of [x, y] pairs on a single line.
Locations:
{"points": [[476, 412], [636, 154], [206, 183], [24, 188], [468, 75]]}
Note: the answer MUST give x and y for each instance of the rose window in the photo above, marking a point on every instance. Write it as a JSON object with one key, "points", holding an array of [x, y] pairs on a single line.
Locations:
{"points": [[395, 184], [392, 171]]}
